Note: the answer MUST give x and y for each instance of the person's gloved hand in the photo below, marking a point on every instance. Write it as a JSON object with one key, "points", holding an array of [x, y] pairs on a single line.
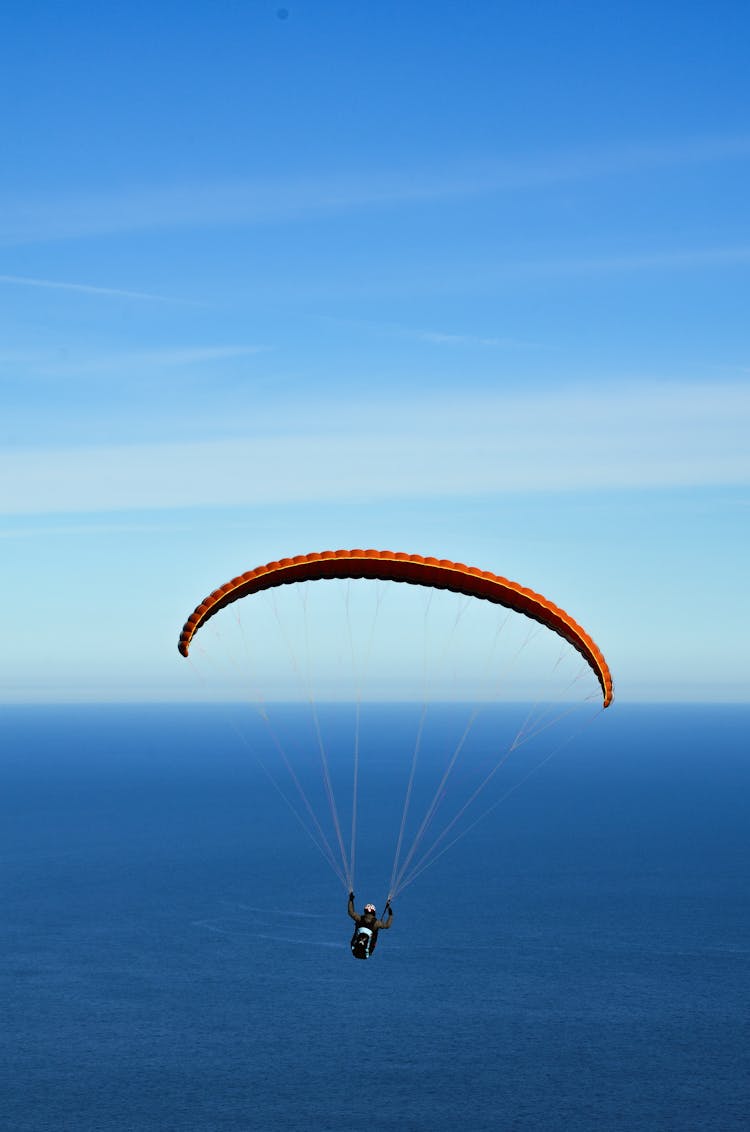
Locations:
{"points": [[351, 896]]}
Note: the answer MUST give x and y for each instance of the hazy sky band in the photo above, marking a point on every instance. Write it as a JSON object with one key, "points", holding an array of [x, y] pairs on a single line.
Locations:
{"points": [[649, 439]]}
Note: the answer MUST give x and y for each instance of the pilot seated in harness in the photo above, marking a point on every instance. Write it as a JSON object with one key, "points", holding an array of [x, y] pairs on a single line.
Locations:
{"points": [[367, 927]]}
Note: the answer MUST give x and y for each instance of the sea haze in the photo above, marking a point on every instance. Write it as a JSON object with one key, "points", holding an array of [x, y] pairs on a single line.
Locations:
{"points": [[175, 949]]}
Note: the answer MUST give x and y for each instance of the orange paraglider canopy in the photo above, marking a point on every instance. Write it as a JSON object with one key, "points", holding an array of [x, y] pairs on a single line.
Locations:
{"points": [[387, 565]]}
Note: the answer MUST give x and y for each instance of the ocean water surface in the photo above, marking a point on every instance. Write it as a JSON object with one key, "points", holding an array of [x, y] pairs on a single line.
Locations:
{"points": [[175, 950]]}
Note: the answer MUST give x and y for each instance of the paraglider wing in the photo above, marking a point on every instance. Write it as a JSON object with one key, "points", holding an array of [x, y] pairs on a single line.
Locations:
{"points": [[386, 565]]}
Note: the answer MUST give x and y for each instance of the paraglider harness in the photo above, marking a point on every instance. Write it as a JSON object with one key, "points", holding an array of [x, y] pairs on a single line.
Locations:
{"points": [[363, 942]]}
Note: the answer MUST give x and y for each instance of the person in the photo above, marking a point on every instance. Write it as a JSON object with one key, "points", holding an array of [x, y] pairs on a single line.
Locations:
{"points": [[366, 929]]}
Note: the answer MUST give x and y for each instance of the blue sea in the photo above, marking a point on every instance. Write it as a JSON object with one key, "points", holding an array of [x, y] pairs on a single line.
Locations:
{"points": [[175, 950]]}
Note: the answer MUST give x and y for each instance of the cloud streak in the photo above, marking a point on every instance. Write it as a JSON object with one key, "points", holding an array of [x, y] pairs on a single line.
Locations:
{"points": [[83, 288], [644, 261], [441, 338], [470, 278], [301, 196], [640, 438], [144, 362]]}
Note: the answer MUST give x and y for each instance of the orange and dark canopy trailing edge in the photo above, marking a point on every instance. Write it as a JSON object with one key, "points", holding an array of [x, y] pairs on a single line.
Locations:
{"points": [[392, 566]]}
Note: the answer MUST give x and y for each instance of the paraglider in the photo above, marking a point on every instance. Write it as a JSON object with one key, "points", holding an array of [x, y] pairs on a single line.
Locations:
{"points": [[474, 587]]}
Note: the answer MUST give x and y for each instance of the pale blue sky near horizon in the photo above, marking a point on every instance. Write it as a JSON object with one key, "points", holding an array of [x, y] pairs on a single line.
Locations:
{"points": [[462, 280]]}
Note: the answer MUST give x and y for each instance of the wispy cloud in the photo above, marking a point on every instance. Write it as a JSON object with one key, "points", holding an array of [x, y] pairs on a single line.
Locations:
{"points": [[441, 338], [300, 196], [434, 337], [469, 278], [642, 437], [146, 361], [76, 530], [191, 355], [134, 363], [472, 277], [665, 260], [83, 288]]}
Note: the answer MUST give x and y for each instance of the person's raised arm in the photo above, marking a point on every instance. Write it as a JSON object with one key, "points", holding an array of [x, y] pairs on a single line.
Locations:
{"points": [[386, 923], [350, 907]]}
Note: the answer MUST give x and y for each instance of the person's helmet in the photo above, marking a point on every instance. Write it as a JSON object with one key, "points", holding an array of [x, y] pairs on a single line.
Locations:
{"points": [[370, 908]]}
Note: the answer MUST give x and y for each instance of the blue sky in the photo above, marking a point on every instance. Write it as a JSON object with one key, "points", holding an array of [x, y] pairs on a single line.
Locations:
{"points": [[465, 280]]}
